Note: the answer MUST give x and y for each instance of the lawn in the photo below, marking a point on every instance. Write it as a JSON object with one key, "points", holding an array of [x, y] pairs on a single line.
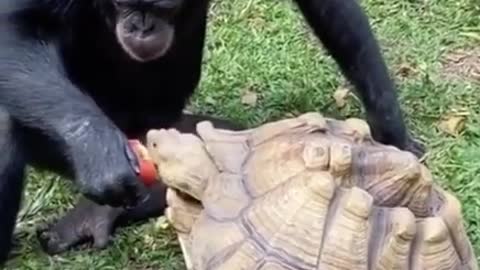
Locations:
{"points": [[262, 63]]}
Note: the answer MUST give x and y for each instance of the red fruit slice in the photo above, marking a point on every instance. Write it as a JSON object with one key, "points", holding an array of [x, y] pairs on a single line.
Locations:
{"points": [[148, 170]]}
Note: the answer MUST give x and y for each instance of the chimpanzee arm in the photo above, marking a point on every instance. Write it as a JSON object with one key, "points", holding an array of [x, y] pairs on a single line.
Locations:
{"points": [[12, 168], [344, 30], [37, 94], [88, 220]]}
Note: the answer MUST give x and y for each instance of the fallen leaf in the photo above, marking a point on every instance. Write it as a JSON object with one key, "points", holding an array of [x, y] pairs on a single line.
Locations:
{"points": [[453, 124], [340, 96], [249, 98], [406, 70]]}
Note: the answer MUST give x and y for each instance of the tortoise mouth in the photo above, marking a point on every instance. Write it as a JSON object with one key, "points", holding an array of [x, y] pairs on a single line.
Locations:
{"points": [[435, 203]]}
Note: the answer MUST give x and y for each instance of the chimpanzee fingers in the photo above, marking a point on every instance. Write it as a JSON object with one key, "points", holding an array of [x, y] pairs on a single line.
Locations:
{"points": [[415, 147], [107, 197], [125, 193], [101, 236], [54, 242], [133, 190], [87, 222], [132, 158]]}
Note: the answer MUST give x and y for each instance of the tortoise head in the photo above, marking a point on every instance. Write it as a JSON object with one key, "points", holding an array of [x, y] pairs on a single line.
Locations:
{"points": [[182, 160]]}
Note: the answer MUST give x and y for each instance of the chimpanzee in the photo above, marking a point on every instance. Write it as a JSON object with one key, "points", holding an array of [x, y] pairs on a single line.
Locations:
{"points": [[79, 77]]}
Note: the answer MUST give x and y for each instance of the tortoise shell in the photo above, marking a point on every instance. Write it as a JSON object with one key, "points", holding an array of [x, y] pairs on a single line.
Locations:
{"points": [[305, 193]]}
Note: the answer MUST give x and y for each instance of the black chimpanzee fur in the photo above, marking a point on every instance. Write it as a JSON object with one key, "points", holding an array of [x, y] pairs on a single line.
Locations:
{"points": [[79, 77]]}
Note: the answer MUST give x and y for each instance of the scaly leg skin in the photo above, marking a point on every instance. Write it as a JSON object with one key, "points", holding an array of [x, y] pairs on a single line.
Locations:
{"points": [[89, 221]]}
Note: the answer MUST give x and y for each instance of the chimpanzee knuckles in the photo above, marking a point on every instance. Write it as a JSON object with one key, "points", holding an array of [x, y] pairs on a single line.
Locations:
{"points": [[117, 187], [415, 147], [52, 242], [86, 223], [107, 172]]}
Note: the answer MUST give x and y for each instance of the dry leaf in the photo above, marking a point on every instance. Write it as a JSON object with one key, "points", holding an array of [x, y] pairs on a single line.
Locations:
{"points": [[340, 96], [406, 70], [453, 124], [249, 98]]}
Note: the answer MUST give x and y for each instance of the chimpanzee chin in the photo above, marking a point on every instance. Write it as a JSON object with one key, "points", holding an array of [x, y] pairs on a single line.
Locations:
{"points": [[145, 30]]}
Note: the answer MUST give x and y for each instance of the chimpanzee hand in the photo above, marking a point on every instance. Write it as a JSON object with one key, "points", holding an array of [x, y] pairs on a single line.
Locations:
{"points": [[84, 222], [407, 143], [89, 222], [415, 147], [394, 133], [104, 165]]}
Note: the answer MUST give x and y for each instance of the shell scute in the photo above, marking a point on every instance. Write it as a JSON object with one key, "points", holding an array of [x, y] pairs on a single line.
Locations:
{"points": [[308, 193]]}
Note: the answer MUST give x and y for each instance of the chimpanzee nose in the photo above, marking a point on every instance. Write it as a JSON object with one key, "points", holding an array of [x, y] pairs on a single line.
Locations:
{"points": [[144, 26]]}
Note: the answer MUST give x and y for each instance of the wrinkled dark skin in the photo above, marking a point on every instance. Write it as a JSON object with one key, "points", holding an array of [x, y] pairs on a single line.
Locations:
{"points": [[77, 78]]}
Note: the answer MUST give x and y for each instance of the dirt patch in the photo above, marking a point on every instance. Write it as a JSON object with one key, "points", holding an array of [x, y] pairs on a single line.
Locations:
{"points": [[462, 64]]}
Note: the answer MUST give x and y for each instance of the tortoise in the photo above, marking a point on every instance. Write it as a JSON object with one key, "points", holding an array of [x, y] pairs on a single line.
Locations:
{"points": [[307, 192]]}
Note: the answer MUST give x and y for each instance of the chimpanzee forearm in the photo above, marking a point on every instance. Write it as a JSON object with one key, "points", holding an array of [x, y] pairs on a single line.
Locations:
{"points": [[12, 167], [344, 30], [37, 94]]}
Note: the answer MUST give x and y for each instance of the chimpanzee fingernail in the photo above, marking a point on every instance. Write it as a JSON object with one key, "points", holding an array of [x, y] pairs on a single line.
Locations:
{"points": [[145, 198], [132, 158]]}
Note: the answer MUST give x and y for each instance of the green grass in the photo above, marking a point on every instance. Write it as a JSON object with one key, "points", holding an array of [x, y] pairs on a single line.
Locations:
{"points": [[265, 47]]}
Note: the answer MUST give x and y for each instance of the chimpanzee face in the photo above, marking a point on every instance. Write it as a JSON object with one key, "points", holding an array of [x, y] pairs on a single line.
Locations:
{"points": [[145, 28]]}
